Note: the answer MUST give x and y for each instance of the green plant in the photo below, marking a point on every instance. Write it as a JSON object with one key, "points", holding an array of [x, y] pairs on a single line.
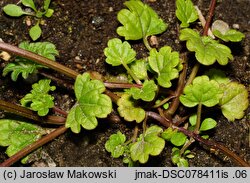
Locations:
{"points": [[17, 11], [143, 99]]}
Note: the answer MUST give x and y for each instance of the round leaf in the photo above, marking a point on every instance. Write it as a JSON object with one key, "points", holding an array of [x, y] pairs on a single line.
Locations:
{"points": [[208, 124], [178, 138], [35, 32]]}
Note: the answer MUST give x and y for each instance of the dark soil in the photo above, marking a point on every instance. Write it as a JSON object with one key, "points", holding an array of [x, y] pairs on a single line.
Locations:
{"points": [[80, 30]]}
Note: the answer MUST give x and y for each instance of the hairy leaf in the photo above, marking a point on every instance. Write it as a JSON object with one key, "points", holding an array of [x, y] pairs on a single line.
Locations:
{"points": [[149, 144], [207, 50], [234, 101], [146, 93], [26, 67], [91, 104], [139, 68], [39, 100], [186, 12], [139, 21], [208, 124], [128, 110], [164, 63], [13, 10], [201, 91], [231, 35], [115, 144], [119, 53], [17, 135]]}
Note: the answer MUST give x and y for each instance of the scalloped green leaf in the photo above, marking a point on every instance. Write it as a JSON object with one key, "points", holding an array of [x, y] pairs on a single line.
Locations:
{"points": [[165, 64], [207, 50], [128, 110], [139, 21], [91, 104], [13, 10], [38, 99], [114, 145], [186, 12], [217, 75], [208, 124], [139, 68], [201, 91], [230, 35], [168, 133], [149, 144], [234, 101], [146, 93], [119, 53], [17, 135]]}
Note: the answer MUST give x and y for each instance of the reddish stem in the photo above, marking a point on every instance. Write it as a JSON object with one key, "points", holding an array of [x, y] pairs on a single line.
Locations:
{"points": [[25, 151], [209, 18]]}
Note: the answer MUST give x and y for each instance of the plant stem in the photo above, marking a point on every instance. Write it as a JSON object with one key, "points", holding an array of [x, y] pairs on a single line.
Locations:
{"points": [[38, 59], [121, 85], [209, 18], [25, 151], [198, 119], [146, 43], [163, 102], [131, 73], [24, 112], [181, 83], [186, 145], [195, 136], [193, 73]]}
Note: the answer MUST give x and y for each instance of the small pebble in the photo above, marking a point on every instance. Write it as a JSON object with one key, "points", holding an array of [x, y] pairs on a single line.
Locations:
{"points": [[236, 26]]}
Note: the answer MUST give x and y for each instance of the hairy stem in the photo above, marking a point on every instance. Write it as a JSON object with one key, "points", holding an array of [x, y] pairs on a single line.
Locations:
{"points": [[198, 119], [38, 59], [195, 136], [25, 151], [132, 74], [24, 112], [146, 43], [181, 83]]}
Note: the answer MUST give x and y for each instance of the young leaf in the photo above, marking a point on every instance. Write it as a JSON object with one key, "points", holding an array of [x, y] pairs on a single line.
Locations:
{"points": [[178, 139], [186, 12], [13, 10], [46, 5], [91, 104], [208, 124], [231, 35], [207, 50], [165, 64], [168, 133], [217, 75], [192, 119], [39, 100], [24, 66], [17, 135], [139, 68], [49, 13], [30, 4], [202, 90], [128, 110], [119, 53], [115, 144], [234, 101], [35, 32], [139, 21], [177, 159], [45, 49], [149, 144], [146, 93]]}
